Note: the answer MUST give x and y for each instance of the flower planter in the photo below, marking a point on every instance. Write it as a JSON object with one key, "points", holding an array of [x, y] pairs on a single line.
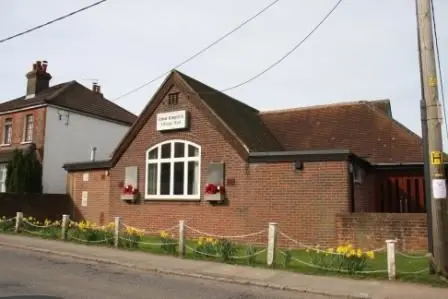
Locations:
{"points": [[217, 197], [128, 197]]}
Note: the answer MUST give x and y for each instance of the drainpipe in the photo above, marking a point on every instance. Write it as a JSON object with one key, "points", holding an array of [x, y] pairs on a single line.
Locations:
{"points": [[92, 153]]}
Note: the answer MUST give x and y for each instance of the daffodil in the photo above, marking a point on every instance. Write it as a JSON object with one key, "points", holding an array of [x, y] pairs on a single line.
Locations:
{"points": [[163, 234], [370, 254]]}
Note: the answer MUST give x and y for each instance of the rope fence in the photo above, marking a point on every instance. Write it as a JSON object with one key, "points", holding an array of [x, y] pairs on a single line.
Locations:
{"points": [[173, 240]]}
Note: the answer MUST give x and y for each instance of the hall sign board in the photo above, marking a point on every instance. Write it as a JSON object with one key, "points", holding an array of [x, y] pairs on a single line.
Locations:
{"points": [[174, 120]]}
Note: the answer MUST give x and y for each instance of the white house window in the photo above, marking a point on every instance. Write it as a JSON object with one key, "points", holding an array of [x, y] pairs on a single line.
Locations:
{"points": [[173, 170], [28, 128], [7, 131], [3, 169]]}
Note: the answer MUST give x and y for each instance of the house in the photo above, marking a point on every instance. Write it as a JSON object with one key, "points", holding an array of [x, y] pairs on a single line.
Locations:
{"points": [[224, 167], [66, 122]]}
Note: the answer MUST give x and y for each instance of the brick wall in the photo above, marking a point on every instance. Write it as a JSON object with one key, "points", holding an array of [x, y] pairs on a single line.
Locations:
{"points": [[40, 206], [365, 193], [303, 203], [18, 123], [97, 187], [370, 230]]}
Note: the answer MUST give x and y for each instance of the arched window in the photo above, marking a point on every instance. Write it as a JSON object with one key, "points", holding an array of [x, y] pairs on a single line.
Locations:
{"points": [[173, 170]]}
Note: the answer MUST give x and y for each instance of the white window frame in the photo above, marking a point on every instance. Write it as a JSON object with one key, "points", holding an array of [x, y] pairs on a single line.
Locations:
{"points": [[5, 132], [26, 130], [172, 160], [4, 169]]}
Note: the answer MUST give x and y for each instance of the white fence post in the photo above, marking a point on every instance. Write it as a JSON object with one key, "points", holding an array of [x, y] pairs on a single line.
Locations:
{"points": [[64, 226], [117, 231], [272, 243], [181, 238], [391, 258], [19, 219]]}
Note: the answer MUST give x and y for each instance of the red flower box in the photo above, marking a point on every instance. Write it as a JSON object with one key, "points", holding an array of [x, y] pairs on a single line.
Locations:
{"points": [[129, 189], [213, 189]]}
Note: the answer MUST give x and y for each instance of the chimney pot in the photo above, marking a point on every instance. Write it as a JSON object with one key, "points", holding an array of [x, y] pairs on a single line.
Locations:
{"points": [[38, 79], [44, 66], [96, 88]]}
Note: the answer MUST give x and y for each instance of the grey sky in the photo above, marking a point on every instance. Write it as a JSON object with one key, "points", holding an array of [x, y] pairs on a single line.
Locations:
{"points": [[366, 50]]}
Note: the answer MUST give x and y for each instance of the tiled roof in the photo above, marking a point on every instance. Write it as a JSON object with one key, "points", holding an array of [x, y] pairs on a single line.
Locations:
{"points": [[242, 119], [363, 127], [75, 96]]}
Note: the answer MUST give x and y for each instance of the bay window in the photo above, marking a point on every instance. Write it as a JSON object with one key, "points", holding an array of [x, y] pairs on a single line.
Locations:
{"points": [[173, 170]]}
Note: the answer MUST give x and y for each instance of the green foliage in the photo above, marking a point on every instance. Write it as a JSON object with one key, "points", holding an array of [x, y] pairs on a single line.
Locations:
{"points": [[24, 173], [286, 258], [226, 249], [251, 253]]}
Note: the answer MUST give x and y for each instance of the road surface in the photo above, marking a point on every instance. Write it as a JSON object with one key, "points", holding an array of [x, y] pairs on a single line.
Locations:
{"points": [[29, 275]]}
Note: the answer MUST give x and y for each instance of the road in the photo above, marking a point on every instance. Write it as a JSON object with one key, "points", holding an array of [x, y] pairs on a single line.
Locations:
{"points": [[29, 275]]}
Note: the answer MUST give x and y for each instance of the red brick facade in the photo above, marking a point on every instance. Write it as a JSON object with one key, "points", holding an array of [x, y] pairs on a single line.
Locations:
{"points": [[18, 124], [303, 202], [372, 229]]}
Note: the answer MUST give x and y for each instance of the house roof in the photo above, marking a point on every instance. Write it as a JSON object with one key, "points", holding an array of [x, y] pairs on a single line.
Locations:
{"points": [[366, 128], [242, 119], [74, 96]]}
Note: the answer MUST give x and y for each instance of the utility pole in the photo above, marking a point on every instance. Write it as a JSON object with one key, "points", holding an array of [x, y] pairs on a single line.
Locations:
{"points": [[437, 185], [427, 175]]}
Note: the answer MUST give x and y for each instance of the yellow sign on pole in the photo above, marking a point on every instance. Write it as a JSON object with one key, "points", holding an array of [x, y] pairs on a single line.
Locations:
{"points": [[432, 81], [436, 158]]}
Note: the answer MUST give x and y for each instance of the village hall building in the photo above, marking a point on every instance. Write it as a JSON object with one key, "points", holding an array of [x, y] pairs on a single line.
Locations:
{"points": [[224, 167]]}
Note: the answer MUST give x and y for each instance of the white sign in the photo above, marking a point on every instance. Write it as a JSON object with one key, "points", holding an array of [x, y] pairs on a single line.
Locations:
{"points": [[85, 177], [439, 188], [172, 120], [84, 195]]}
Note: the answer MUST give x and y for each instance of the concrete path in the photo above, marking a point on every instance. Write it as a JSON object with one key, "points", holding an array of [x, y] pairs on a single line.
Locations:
{"points": [[342, 287]]}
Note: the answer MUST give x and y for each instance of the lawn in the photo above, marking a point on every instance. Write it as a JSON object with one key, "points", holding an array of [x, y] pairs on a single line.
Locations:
{"points": [[410, 268]]}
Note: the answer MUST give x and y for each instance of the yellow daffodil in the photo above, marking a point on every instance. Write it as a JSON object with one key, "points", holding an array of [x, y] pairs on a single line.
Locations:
{"points": [[370, 254], [163, 234], [359, 253]]}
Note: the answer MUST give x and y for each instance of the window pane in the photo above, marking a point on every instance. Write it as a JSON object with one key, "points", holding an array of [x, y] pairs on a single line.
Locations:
{"points": [[179, 178], [7, 131], [193, 177], [153, 153], [179, 150], [152, 179], [166, 150], [193, 151], [165, 178], [29, 120]]}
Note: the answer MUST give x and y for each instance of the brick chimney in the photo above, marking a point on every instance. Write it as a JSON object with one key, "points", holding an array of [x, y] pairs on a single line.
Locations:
{"points": [[96, 88], [38, 79]]}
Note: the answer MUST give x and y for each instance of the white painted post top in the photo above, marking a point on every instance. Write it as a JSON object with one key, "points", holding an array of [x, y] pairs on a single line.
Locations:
{"points": [[391, 241]]}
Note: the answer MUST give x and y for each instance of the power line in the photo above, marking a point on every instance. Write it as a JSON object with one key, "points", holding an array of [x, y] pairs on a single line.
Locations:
{"points": [[52, 21], [286, 55], [200, 52], [270, 67], [442, 92]]}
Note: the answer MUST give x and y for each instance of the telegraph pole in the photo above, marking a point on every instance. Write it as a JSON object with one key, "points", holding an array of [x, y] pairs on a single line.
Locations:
{"points": [[427, 175], [437, 185]]}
